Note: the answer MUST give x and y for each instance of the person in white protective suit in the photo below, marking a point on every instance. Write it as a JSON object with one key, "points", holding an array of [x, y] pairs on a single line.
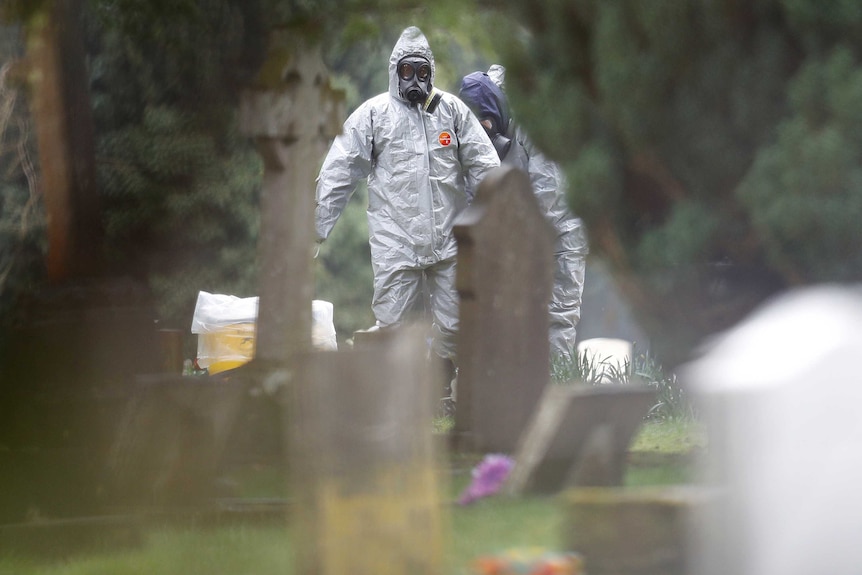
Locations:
{"points": [[422, 150], [484, 93]]}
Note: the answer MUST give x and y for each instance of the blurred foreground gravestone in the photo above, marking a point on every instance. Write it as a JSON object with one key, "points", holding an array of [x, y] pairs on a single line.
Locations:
{"points": [[633, 530], [363, 461], [170, 441], [579, 436], [785, 435], [504, 282], [75, 339]]}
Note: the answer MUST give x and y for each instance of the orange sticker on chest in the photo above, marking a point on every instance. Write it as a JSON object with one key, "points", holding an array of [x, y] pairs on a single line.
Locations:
{"points": [[445, 138]]}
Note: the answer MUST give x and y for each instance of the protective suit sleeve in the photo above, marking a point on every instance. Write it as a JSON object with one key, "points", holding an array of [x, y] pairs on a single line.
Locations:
{"points": [[549, 185], [348, 161], [545, 175], [475, 151]]}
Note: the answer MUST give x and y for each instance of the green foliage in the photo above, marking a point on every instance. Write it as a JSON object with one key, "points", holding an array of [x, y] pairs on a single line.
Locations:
{"points": [[191, 53], [595, 183], [180, 185], [672, 402], [343, 270], [712, 148], [22, 219], [676, 436], [692, 233], [809, 181], [13, 11], [182, 205]]}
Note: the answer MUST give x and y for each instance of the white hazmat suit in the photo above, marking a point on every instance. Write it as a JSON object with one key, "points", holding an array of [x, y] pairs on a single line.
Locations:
{"points": [[419, 167]]}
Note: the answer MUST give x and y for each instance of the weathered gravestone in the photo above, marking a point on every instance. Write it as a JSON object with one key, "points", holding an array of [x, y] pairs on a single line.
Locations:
{"points": [[363, 461], [579, 436], [505, 250], [170, 441], [633, 530]]}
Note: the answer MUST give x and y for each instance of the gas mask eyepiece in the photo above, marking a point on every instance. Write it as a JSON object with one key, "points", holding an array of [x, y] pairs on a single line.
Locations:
{"points": [[414, 78]]}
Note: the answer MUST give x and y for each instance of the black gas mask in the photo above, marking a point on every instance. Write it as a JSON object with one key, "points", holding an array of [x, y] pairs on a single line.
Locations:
{"points": [[414, 78], [501, 140]]}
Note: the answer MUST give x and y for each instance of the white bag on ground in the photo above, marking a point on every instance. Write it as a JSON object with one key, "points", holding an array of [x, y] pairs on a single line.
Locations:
{"points": [[225, 325]]}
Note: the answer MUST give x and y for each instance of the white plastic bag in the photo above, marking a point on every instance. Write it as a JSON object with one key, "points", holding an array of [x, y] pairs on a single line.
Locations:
{"points": [[215, 311], [225, 325], [322, 326]]}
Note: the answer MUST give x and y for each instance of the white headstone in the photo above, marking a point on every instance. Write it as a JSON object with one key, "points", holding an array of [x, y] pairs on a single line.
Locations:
{"points": [[783, 395], [607, 356]]}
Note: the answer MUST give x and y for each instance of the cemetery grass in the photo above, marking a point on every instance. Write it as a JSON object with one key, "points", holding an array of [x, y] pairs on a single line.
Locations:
{"points": [[662, 453]]}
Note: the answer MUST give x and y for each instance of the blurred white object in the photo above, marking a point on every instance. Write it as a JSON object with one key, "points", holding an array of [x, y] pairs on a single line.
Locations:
{"points": [[782, 394], [225, 325], [606, 355], [214, 311], [322, 327]]}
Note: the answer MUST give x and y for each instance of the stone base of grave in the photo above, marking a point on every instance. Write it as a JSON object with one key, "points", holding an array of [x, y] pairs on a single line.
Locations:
{"points": [[633, 531], [170, 441]]}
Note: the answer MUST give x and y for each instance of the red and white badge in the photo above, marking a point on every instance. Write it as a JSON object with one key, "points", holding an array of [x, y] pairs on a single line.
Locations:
{"points": [[445, 138]]}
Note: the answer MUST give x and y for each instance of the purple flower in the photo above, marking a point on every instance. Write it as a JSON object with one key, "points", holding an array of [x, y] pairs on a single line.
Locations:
{"points": [[488, 477]]}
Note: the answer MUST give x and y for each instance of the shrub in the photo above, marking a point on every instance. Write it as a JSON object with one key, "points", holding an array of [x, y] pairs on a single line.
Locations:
{"points": [[671, 401]]}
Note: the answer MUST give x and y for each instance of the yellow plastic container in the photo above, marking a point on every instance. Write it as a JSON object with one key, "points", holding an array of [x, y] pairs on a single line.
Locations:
{"points": [[227, 348]]}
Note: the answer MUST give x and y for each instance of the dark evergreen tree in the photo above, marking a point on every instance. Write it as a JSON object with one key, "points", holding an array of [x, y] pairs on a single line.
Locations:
{"points": [[179, 185], [712, 146], [22, 219]]}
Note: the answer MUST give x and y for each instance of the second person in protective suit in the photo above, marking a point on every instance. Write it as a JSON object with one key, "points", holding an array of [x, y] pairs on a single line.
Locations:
{"points": [[484, 92], [421, 151]]}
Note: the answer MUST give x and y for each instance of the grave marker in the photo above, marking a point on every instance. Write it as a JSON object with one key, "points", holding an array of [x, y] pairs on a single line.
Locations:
{"points": [[170, 440], [364, 469], [633, 530], [291, 111], [505, 249], [782, 414], [579, 436]]}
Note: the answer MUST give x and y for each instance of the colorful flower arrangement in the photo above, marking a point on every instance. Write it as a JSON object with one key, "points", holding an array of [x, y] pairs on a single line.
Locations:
{"points": [[528, 561]]}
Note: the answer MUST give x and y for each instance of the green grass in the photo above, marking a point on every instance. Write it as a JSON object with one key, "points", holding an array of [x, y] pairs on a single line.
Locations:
{"points": [[671, 436], [492, 525], [660, 455], [177, 551]]}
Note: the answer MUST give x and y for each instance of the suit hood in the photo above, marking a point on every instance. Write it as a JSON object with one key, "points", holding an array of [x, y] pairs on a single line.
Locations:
{"points": [[412, 42]]}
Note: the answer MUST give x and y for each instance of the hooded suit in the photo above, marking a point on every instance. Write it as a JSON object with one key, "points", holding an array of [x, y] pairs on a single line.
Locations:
{"points": [[571, 245], [419, 167]]}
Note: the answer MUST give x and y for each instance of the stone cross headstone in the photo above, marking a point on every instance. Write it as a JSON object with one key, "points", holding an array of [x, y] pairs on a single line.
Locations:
{"points": [[504, 283], [784, 437], [363, 461], [291, 111]]}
